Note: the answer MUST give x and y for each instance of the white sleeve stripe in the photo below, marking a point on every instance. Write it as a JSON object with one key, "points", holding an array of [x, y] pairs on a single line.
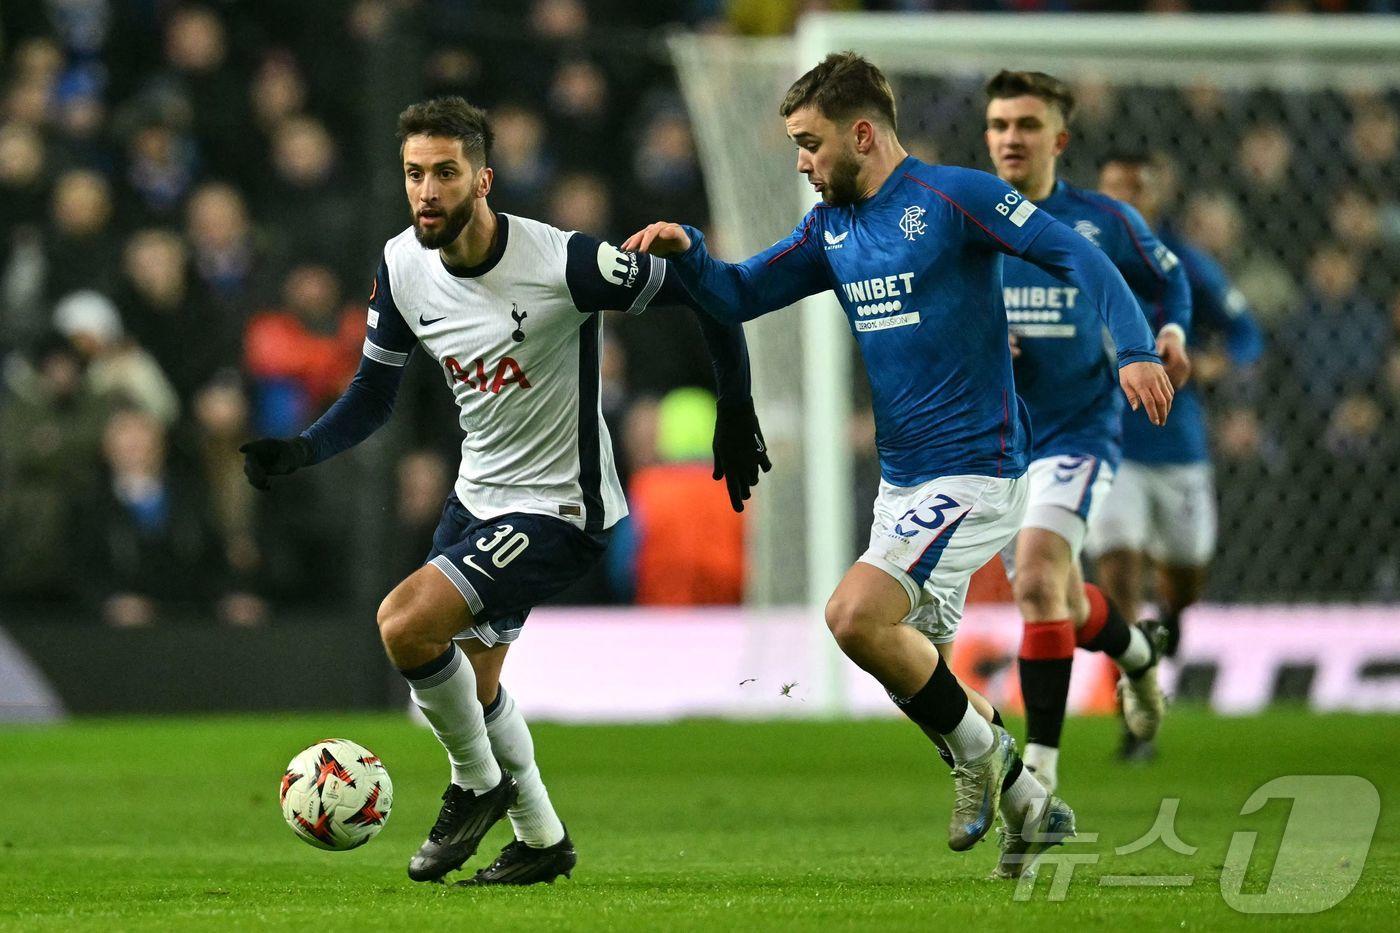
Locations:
{"points": [[656, 274], [381, 355]]}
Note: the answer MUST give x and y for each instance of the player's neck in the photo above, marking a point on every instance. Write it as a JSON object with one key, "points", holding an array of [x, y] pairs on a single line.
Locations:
{"points": [[474, 243], [1038, 189], [879, 166]]}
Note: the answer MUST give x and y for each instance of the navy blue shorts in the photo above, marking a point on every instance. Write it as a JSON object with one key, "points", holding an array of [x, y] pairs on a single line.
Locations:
{"points": [[507, 565]]}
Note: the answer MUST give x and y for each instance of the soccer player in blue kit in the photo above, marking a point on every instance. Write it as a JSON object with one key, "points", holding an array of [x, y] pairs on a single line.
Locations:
{"points": [[1163, 506], [914, 253], [1065, 375]]}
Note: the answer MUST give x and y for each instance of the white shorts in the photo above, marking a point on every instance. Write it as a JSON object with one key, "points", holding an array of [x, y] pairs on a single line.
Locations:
{"points": [[1064, 491], [933, 537], [1166, 511]]}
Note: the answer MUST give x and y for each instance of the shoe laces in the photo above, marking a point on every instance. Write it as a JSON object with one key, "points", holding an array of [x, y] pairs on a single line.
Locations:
{"points": [[454, 801], [967, 787]]}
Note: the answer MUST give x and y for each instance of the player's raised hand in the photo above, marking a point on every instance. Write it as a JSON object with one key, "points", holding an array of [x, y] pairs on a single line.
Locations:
{"points": [[739, 449], [662, 238], [1172, 349], [269, 456], [1146, 385]]}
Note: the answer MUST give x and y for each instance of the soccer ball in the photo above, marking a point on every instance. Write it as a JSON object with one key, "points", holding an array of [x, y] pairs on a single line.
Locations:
{"points": [[336, 795]]}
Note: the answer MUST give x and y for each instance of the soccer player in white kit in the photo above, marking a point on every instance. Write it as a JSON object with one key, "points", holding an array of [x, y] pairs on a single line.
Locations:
{"points": [[509, 308]]}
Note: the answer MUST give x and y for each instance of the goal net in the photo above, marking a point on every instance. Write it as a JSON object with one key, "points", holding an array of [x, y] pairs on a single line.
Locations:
{"points": [[1284, 135]]}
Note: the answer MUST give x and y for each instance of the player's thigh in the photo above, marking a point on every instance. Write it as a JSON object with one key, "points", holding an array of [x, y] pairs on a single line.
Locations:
{"points": [[1043, 561], [424, 607], [1121, 520], [932, 537], [1185, 515]]}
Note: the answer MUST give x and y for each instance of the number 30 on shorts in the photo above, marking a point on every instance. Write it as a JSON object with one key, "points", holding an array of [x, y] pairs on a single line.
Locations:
{"points": [[505, 546]]}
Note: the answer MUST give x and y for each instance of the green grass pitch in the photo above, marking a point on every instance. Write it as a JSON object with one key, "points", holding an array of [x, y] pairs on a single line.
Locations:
{"points": [[173, 824]]}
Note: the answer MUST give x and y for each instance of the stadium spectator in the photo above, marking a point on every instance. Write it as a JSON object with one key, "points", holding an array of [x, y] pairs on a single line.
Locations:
{"points": [[150, 544], [305, 205], [161, 167], [525, 169], [220, 426], [302, 355], [423, 482], [117, 369], [164, 310], [80, 251], [199, 65], [581, 202], [226, 258], [51, 427]]}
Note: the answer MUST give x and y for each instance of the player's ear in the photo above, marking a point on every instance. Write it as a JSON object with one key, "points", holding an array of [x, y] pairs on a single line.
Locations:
{"points": [[1061, 141], [865, 136], [483, 181]]}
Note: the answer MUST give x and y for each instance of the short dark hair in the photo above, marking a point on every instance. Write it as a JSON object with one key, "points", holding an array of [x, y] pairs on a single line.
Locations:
{"points": [[843, 85], [1048, 88], [452, 118], [1134, 158]]}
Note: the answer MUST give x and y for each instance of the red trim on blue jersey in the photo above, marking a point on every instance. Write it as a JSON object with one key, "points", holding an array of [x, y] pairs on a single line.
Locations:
{"points": [[969, 216], [805, 230]]}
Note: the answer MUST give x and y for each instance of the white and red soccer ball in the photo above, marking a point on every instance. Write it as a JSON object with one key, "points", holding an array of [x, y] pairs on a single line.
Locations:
{"points": [[336, 795]]}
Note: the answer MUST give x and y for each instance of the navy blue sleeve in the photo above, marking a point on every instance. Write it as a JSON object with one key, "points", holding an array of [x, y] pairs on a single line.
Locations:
{"points": [[1151, 268], [602, 277], [369, 399], [1215, 303], [1074, 260], [787, 271]]}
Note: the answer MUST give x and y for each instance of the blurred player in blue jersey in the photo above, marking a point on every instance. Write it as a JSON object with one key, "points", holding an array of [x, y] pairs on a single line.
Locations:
{"points": [[509, 310], [914, 254], [1162, 507], [1064, 373]]}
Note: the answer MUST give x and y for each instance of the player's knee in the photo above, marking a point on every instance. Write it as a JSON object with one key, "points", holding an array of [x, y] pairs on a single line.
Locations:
{"points": [[850, 623], [398, 629], [1039, 593]]}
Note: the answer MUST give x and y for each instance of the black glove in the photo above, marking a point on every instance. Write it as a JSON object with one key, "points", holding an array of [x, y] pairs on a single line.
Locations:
{"points": [[739, 449], [269, 456]]}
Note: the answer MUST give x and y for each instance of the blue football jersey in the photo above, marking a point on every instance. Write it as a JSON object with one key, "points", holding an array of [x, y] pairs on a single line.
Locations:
{"points": [[917, 268], [1216, 307], [1066, 370]]}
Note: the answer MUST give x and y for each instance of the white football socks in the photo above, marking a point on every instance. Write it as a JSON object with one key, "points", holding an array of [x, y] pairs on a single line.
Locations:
{"points": [[971, 737], [1138, 654], [448, 700], [1043, 760], [533, 817], [1021, 803]]}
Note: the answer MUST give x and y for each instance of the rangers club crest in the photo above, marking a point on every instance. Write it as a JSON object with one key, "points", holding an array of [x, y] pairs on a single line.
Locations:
{"points": [[912, 222], [1088, 231]]}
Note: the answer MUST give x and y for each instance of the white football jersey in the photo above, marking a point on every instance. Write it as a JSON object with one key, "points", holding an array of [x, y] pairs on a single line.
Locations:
{"points": [[518, 340]]}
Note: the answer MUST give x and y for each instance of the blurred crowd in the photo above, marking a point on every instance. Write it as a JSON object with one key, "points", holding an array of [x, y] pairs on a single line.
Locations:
{"points": [[193, 196], [188, 227]]}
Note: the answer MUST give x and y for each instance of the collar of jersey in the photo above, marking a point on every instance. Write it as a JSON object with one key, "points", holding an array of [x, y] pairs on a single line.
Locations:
{"points": [[1058, 189], [498, 250], [889, 184]]}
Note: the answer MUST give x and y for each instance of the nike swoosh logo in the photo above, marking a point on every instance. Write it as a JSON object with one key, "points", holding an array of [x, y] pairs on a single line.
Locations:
{"points": [[424, 322], [472, 564]]}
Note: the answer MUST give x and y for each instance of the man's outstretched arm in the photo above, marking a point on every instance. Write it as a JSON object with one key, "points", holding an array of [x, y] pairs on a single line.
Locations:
{"points": [[787, 271]]}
